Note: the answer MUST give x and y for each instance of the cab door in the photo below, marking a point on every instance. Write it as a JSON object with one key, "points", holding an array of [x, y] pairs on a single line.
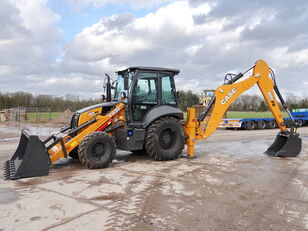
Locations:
{"points": [[145, 94], [168, 91]]}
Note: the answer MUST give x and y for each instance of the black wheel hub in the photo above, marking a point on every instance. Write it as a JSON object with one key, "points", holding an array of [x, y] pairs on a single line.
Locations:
{"points": [[98, 150], [166, 138]]}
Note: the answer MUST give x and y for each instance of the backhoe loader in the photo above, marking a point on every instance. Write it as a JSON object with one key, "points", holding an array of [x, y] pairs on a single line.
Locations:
{"points": [[143, 114]]}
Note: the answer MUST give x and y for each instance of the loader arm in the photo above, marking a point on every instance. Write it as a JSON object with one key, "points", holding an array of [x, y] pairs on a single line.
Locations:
{"points": [[33, 156], [202, 128], [58, 149]]}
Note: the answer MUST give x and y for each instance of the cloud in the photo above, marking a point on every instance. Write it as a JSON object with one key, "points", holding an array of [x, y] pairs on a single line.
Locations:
{"points": [[28, 33], [78, 5], [204, 39]]}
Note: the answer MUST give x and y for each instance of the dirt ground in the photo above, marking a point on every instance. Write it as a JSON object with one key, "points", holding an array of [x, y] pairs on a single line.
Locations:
{"points": [[231, 185]]}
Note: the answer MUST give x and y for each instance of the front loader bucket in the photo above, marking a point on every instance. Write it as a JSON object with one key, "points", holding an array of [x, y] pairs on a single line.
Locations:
{"points": [[30, 159], [285, 145]]}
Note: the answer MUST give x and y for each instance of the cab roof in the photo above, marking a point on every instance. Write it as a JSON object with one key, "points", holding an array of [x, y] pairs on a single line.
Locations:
{"points": [[175, 71]]}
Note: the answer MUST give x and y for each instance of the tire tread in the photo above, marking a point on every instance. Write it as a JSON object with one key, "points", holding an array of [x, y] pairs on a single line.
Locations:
{"points": [[150, 148], [82, 149]]}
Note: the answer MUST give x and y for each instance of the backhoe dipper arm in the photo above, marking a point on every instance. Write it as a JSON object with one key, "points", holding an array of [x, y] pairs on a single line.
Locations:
{"points": [[224, 96]]}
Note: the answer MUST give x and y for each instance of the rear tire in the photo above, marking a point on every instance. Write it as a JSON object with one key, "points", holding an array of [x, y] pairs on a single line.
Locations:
{"points": [[97, 150], [261, 124], [250, 125], [164, 139]]}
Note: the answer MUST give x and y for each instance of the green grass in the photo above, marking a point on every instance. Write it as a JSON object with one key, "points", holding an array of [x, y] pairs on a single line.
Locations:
{"points": [[251, 114], [32, 116]]}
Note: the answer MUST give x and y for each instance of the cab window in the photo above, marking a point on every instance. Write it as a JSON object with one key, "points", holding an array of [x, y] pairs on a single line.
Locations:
{"points": [[145, 95], [168, 90], [146, 89]]}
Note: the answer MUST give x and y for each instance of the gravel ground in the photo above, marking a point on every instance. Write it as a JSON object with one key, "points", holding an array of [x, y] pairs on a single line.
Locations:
{"points": [[231, 185]]}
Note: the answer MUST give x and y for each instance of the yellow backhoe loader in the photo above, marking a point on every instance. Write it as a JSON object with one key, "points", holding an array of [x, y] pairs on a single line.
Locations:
{"points": [[143, 115], [206, 96]]}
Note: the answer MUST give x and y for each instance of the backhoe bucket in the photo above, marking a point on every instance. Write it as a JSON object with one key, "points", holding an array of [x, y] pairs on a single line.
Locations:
{"points": [[285, 145], [30, 159]]}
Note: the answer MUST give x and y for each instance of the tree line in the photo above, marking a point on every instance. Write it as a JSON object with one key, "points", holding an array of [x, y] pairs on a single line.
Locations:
{"points": [[186, 99], [28, 100], [25, 99], [257, 103], [245, 102]]}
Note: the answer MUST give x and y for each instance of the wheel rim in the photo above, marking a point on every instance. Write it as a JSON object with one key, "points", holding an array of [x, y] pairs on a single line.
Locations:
{"points": [[166, 138], [300, 123], [98, 150], [261, 124], [251, 125]]}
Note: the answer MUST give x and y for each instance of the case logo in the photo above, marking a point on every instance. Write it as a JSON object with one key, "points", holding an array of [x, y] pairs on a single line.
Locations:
{"points": [[228, 96]]}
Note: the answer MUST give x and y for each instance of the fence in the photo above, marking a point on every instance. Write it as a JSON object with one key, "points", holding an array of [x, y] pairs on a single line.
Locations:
{"points": [[21, 114]]}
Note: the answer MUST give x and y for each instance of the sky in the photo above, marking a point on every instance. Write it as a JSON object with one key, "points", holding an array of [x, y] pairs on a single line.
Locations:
{"points": [[58, 47]]}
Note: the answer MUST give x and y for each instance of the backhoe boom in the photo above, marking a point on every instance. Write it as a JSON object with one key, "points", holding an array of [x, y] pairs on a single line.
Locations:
{"points": [[228, 93]]}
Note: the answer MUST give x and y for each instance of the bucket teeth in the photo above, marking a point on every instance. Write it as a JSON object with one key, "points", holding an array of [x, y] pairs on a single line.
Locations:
{"points": [[9, 170]]}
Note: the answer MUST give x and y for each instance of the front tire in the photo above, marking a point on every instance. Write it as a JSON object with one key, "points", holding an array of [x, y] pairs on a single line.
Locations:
{"points": [[164, 139], [97, 150]]}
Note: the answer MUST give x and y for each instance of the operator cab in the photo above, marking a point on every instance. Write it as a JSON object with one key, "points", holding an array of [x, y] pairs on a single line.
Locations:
{"points": [[144, 89]]}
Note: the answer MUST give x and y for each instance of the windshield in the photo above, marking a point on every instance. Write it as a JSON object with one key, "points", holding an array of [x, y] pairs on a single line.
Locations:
{"points": [[209, 93], [119, 87]]}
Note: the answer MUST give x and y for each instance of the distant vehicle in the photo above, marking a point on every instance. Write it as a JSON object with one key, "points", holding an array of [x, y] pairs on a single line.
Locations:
{"points": [[300, 116], [206, 96]]}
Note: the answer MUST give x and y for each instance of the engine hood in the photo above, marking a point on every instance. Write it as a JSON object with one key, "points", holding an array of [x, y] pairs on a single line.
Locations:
{"points": [[106, 104]]}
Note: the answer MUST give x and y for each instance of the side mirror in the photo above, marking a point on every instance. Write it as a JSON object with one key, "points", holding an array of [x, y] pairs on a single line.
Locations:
{"points": [[108, 88], [104, 85], [113, 84]]}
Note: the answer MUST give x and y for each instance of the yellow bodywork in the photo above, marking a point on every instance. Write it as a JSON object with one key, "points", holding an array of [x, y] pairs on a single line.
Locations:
{"points": [[225, 95], [117, 114], [194, 130]]}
